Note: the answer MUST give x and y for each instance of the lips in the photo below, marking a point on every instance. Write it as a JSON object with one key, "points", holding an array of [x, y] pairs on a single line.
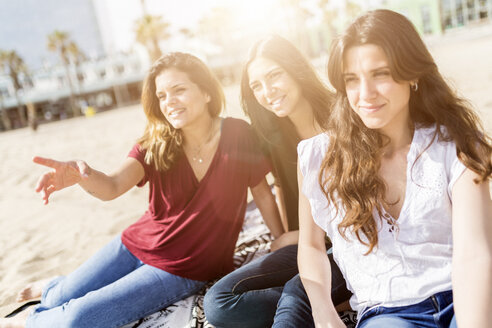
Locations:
{"points": [[175, 112], [370, 108], [277, 102]]}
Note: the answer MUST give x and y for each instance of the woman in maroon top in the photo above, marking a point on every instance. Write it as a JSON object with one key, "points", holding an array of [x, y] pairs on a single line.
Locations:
{"points": [[199, 167]]}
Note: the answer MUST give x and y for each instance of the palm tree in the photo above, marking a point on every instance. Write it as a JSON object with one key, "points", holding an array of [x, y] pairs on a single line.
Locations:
{"points": [[144, 7], [15, 67], [5, 117], [149, 31], [59, 41], [76, 57]]}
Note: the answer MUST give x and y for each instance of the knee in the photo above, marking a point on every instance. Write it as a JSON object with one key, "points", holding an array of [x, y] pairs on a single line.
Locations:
{"points": [[77, 313], [215, 306], [295, 288]]}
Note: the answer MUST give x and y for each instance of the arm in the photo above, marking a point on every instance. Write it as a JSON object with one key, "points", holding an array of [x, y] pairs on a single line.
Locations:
{"points": [[314, 266], [279, 196], [289, 237], [265, 202], [96, 183], [472, 251]]}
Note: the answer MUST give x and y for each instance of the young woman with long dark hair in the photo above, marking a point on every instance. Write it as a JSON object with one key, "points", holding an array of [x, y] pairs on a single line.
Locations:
{"points": [[286, 102]]}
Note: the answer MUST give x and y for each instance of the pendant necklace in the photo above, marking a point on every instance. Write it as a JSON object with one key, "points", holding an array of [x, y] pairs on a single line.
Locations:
{"points": [[197, 156]]}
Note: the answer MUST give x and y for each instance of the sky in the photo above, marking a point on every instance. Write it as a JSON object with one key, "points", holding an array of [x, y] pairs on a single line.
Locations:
{"points": [[117, 17]]}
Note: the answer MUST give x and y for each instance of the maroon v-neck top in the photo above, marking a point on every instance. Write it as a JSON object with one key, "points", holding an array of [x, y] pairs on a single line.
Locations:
{"points": [[190, 228]]}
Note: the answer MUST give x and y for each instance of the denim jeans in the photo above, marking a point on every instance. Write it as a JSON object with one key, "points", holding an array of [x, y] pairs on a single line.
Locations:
{"points": [[111, 289], [434, 312], [248, 296], [294, 309]]}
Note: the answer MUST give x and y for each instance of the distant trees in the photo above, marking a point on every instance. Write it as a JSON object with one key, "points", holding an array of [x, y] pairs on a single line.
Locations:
{"points": [[13, 65], [60, 42], [149, 31]]}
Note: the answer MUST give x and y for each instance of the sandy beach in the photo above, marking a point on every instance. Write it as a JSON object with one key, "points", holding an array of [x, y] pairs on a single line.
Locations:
{"points": [[39, 241]]}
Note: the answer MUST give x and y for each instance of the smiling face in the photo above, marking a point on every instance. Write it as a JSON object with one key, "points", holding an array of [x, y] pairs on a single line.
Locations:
{"points": [[380, 101], [180, 100], [273, 87]]}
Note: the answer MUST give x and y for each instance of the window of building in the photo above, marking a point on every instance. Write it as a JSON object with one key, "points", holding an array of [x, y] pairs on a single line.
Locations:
{"points": [[426, 19], [460, 18], [483, 9], [471, 9], [447, 14]]}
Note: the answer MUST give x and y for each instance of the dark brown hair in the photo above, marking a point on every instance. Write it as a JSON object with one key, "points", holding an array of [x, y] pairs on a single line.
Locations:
{"points": [[287, 56], [278, 135]]}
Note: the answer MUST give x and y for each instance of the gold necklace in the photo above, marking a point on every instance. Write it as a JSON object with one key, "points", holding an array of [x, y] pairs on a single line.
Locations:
{"points": [[196, 157]]}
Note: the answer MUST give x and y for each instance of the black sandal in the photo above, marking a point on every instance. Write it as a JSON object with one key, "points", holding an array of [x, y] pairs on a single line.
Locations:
{"points": [[22, 308]]}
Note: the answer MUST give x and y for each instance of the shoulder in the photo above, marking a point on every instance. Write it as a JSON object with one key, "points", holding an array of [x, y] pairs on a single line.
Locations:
{"points": [[311, 152], [315, 144], [434, 141], [236, 129], [137, 151], [437, 154], [235, 124], [237, 133]]}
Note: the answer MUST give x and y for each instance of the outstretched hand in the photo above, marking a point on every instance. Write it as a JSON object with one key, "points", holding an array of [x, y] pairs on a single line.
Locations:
{"points": [[64, 174]]}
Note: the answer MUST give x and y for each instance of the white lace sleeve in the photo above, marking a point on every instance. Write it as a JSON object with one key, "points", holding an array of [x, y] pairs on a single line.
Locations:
{"points": [[454, 165]]}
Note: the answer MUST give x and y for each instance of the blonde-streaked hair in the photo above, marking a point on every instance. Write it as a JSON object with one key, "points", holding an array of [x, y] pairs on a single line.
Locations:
{"points": [[349, 174], [162, 142]]}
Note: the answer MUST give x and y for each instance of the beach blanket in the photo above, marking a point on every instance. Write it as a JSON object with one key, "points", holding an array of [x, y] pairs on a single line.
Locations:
{"points": [[253, 242]]}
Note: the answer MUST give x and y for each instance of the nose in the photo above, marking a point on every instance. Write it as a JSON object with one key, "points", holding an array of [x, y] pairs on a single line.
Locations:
{"points": [[367, 89], [170, 100], [269, 90]]}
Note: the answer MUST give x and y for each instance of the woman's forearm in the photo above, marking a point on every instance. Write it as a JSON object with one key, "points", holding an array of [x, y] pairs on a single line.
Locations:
{"points": [[265, 201]]}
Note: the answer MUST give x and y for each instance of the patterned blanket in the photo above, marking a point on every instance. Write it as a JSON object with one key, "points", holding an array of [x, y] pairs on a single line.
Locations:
{"points": [[253, 242]]}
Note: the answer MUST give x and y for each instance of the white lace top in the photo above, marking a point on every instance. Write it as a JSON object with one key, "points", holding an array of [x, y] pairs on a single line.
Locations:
{"points": [[411, 262]]}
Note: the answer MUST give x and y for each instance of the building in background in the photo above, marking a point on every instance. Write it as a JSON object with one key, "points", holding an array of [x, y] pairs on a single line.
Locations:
{"points": [[115, 65], [103, 79], [26, 24], [439, 16]]}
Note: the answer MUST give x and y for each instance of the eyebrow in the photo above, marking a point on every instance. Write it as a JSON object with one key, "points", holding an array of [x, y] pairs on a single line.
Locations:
{"points": [[371, 71], [177, 85], [172, 87]]}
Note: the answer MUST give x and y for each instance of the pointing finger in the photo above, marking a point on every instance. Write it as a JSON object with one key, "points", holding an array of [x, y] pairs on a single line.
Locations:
{"points": [[46, 161]]}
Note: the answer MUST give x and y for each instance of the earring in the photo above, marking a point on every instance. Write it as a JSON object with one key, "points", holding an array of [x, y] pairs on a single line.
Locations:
{"points": [[414, 86]]}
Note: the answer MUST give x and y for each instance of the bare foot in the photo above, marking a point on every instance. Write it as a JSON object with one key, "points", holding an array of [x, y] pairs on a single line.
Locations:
{"points": [[32, 291]]}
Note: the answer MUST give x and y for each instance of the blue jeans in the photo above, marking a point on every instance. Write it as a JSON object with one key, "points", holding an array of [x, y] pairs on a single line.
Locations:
{"points": [[111, 289], [294, 308], [248, 296], [434, 312]]}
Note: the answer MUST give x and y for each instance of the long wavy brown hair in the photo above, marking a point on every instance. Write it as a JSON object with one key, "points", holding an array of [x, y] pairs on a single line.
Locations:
{"points": [[349, 173], [161, 140]]}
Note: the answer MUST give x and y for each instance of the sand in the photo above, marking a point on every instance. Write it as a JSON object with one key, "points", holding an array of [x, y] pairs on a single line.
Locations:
{"points": [[39, 241]]}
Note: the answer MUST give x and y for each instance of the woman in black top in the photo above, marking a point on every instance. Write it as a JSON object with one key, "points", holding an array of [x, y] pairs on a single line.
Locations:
{"points": [[286, 102]]}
